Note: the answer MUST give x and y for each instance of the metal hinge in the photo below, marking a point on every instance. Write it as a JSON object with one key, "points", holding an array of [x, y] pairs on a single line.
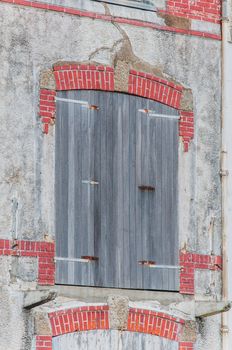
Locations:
{"points": [[84, 104], [90, 182], [151, 113], [146, 188], [152, 264], [82, 259]]}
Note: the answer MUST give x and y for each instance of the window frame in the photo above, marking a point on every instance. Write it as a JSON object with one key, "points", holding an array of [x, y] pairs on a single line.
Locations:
{"points": [[130, 4]]}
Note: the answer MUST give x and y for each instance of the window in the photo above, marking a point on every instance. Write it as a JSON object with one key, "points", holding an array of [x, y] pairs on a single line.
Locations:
{"points": [[143, 4], [116, 191]]}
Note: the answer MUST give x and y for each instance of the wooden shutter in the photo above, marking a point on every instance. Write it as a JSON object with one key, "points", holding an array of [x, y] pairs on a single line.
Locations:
{"points": [[124, 150]]}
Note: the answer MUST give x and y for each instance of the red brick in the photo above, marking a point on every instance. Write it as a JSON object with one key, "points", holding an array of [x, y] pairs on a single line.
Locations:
{"points": [[186, 346], [79, 319], [147, 321], [43, 343], [190, 262]]}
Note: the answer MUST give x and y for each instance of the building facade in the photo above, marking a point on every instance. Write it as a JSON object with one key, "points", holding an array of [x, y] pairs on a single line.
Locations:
{"points": [[115, 175]]}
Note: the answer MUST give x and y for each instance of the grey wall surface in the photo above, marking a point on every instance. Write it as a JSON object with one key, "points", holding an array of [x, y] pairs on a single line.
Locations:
{"points": [[31, 41]]}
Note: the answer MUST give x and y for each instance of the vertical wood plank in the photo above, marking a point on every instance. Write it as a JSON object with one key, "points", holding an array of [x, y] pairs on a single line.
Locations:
{"points": [[121, 148], [61, 195]]}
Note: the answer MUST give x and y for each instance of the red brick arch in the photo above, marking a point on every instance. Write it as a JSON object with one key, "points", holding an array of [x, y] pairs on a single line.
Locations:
{"points": [[92, 77], [88, 318]]}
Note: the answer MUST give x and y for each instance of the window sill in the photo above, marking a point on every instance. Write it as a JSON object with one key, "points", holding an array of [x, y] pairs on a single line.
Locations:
{"points": [[93, 294]]}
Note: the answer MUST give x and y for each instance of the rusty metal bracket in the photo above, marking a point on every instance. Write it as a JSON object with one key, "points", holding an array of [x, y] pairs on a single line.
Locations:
{"points": [[82, 259], [90, 257], [147, 262], [146, 188]]}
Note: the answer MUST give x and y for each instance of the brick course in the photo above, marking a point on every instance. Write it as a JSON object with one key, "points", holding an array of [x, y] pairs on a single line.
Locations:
{"points": [[154, 88], [43, 342], [93, 317], [186, 346], [84, 77], [84, 318], [47, 108], [44, 251], [209, 11], [186, 128], [156, 323], [190, 262]]}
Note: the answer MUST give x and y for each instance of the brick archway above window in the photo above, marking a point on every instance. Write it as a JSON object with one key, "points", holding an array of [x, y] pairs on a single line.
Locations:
{"points": [[94, 77]]}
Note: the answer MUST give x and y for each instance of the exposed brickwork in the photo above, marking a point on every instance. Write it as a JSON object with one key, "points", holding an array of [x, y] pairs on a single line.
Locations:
{"points": [[97, 317], [186, 346], [84, 77], [43, 342], [186, 128], [44, 251], [47, 108], [190, 262], [88, 318], [79, 319], [154, 88], [198, 9], [108, 18], [156, 323], [91, 77], [73, 77]]}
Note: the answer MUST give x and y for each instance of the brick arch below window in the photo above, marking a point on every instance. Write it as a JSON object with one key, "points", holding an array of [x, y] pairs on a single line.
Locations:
{"points": [[87, 318], [93, 77]]}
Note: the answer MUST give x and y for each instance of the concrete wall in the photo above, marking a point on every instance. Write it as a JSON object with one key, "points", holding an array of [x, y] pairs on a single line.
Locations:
{"points": [[31, 42]]}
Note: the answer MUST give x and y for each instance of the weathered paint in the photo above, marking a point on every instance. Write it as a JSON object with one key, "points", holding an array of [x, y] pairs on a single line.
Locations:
{"points": [[120, 148], [113, 340]]}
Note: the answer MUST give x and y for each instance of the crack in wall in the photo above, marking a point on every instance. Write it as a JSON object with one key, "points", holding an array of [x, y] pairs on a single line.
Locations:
{"points": [[124, 59]]}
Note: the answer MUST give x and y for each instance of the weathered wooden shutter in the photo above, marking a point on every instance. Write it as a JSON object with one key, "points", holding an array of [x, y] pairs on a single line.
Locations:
{"points": [[116, 191], [113, 340]]}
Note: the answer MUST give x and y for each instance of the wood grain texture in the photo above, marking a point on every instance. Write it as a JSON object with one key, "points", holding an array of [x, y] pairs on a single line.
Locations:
{"points": [[113, 340], [119, 148]]}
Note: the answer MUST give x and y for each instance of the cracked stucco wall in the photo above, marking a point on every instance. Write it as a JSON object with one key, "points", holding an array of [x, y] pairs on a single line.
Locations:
{"points": [[31, 42]]}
